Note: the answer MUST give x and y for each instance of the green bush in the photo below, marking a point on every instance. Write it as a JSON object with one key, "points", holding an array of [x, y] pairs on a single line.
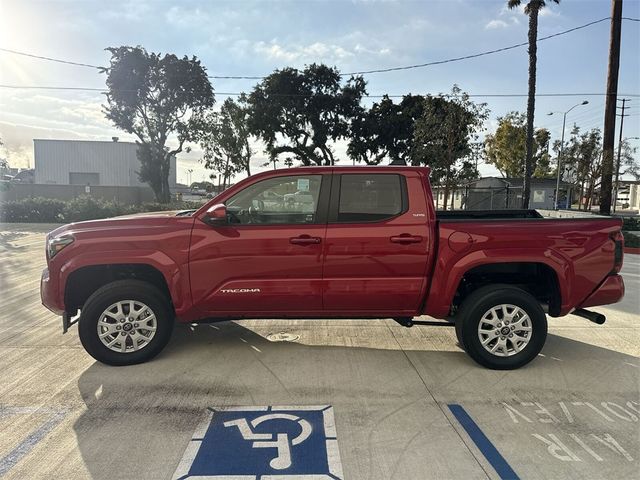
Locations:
{"points": [[90, 208], [631, 240], [159, 207], [46, 210], [33, 210], [631, 224]]}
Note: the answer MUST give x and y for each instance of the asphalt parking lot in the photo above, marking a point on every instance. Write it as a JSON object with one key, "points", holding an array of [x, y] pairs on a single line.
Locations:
{"points": [[407, 403]]}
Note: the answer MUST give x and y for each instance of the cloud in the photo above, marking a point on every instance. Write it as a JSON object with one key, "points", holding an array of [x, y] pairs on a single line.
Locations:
{"points": [[131, 11], [493, 24], [29, 115], [182, 17], [317, 51]]}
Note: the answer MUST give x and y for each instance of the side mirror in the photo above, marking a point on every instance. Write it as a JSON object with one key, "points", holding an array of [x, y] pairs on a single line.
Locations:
{"points": [[216, 216]]}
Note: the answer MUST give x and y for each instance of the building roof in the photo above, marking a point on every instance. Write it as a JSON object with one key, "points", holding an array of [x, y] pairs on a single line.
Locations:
{"points": [[517, 182], [542, 182], [118, 142]]}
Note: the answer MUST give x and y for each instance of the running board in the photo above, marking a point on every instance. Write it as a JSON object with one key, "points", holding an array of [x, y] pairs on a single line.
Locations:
{"points": [[591, 316], [410, 322]]}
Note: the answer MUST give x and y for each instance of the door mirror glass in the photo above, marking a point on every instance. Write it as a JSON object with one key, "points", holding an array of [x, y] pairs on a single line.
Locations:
{"points": [[216, 215]]}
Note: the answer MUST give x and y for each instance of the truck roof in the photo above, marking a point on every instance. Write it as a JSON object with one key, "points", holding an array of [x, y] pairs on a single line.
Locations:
{"points": [[348, 168]]}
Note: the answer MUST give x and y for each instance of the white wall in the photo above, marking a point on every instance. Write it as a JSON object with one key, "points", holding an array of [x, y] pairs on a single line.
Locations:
{"points": [[116, 163]]}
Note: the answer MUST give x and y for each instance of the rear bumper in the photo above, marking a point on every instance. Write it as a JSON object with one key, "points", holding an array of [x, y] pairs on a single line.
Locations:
{"points": [[49, 293], [611, 291]]}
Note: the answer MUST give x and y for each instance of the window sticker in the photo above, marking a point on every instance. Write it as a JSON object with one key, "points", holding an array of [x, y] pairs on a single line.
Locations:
{"points": [[303, 184]]}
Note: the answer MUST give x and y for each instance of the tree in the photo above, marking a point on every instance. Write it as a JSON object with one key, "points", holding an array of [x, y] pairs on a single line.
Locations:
{"points": [[4, 164], [444, 136], [225, 139], [582, 160], [153, 97], [542, 158], [585, 161], [532, 9], [628, 163], [298, 113], [590, 154], [506, 148], [385, 130]]}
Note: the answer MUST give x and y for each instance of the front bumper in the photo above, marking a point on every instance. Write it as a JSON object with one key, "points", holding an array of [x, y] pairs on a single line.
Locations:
{"points": [[610, 291], [49, 293]]}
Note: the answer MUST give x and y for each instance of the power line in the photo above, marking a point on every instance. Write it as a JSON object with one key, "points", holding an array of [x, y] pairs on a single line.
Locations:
{"points": [[476, 55], [362, 72], [50, 59], [481, 95]]}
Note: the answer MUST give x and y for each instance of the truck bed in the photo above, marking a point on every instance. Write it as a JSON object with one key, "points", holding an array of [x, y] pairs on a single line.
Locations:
{"points": [[486, 214]]}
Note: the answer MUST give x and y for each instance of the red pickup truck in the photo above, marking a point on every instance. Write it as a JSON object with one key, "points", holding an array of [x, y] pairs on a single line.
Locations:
{"points": [[334, 242]]}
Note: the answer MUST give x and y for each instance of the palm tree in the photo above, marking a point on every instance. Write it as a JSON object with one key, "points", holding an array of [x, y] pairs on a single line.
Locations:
{"points": [[532, 9]]}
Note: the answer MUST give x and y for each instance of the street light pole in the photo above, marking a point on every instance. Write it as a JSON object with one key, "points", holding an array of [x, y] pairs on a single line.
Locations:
{"points": [[559, 172], [555, 201]]}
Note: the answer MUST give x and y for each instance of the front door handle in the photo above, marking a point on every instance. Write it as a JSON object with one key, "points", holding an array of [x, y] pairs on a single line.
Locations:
{"points": [[406, 238], [304, 240]]}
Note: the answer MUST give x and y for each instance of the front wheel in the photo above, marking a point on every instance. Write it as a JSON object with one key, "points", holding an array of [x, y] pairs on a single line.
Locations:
{"points": [[125, 322], [501, 327]]}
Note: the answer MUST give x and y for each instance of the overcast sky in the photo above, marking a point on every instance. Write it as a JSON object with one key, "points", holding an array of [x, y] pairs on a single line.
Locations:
{"points": [[256, 37]]}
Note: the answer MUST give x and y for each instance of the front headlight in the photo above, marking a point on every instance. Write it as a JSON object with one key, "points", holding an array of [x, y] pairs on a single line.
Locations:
{"points": [[56, 244]]}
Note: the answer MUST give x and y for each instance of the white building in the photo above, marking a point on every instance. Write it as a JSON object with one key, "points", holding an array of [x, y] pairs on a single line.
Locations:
{"points": [[628, 195], [82, 162]]}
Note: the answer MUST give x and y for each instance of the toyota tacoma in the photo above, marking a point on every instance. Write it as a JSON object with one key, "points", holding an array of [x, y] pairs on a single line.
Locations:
{"points": [[331, 242]]}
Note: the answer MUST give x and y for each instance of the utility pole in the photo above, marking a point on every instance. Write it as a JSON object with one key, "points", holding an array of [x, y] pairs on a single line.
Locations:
{"points": [[622, 115], [610, 108]]}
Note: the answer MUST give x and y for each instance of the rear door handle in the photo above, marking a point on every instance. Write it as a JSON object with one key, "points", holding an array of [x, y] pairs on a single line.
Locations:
{"points": [[304, 240], [406, 238]]}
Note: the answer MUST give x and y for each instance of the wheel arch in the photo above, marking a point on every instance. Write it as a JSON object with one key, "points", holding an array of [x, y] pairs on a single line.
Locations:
{"points": [[83, 281], [100, 268], [539, 279], [453, 271]]}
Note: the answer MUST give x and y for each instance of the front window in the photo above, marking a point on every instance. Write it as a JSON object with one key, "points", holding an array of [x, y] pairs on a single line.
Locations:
{"points": [[280, 200]]}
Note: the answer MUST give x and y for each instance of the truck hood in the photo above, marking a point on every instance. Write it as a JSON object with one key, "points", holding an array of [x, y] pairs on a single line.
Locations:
{"points": [[138, 220]]}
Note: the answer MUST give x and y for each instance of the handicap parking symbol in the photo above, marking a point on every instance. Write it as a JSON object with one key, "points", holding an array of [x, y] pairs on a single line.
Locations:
{"points": [[262, 443]]}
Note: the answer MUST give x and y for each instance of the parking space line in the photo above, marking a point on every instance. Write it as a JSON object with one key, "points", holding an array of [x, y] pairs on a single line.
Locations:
{"points": [[490, 452], [14, 456]]}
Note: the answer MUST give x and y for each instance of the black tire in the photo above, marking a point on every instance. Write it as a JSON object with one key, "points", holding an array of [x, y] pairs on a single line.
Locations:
{"points": [[480, 302], [114, 292]]}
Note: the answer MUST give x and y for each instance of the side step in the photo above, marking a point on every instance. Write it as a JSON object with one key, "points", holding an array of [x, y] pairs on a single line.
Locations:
{"points": [[410, 322], [591, 316]]}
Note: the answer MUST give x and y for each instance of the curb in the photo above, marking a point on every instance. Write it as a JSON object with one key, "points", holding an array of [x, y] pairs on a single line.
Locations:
{"points": [[632, 250]]}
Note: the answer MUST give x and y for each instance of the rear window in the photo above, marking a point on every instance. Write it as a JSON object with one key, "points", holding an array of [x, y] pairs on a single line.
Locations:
{"points": [[371, 197]]}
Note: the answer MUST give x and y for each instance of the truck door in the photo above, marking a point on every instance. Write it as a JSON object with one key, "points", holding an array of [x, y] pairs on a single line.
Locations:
{"points": [[377, 243], [268, 259]]}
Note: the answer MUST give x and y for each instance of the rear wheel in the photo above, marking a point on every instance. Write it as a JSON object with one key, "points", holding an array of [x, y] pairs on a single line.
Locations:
{"points": [[125, 322], [501, 327]]}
